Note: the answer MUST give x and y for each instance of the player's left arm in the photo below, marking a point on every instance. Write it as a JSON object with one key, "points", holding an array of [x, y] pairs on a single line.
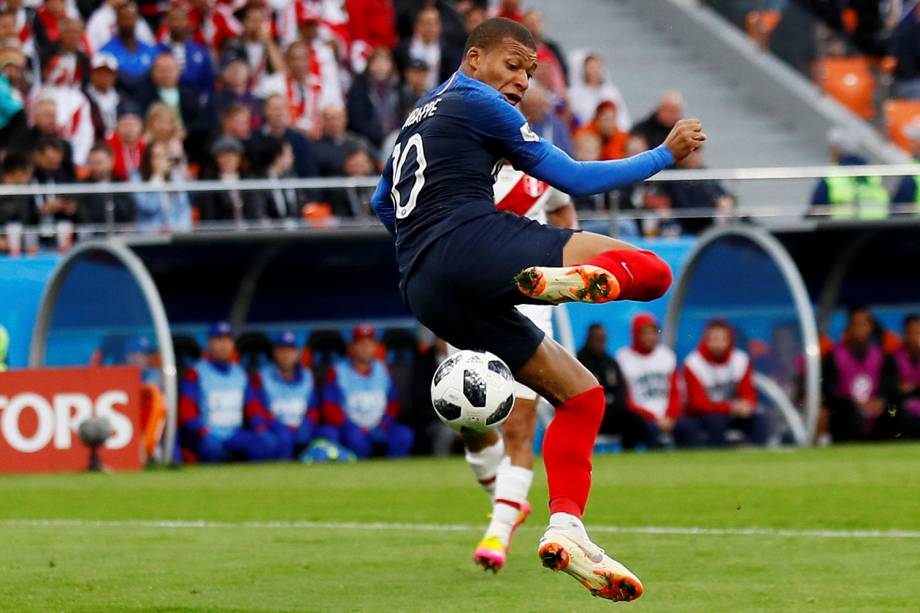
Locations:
{"points": [[506, 128], [382, 203]]}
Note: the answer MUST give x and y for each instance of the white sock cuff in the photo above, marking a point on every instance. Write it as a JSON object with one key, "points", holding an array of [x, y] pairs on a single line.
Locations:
{"points": [[486, 461], [513, 483]]}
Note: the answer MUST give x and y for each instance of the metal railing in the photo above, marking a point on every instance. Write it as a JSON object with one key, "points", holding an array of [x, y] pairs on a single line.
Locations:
{"points": [[63, 234]]}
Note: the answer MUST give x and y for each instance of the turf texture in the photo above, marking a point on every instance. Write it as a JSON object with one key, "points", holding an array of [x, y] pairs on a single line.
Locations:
{"points": [[91, 542]]}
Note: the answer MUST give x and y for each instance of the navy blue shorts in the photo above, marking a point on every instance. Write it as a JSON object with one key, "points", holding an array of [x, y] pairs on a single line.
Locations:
{"points": [[462, 286]]}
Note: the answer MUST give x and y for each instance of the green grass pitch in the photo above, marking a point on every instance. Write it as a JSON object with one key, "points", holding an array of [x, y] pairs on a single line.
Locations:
{"points": [[110, 549]]}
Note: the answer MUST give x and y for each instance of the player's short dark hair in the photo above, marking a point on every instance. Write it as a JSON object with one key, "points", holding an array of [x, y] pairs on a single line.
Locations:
{"points": [[14, 161], [494, 31], [911, 320]]}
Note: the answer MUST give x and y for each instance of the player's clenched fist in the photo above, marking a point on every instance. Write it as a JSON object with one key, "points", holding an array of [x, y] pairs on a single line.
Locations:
{"points": [[686, 137]]}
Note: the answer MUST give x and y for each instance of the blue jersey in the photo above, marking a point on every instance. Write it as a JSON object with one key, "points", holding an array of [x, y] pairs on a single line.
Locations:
{"points": [[448, 153]]}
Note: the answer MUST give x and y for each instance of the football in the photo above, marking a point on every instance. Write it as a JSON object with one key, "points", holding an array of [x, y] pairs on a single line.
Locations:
{"points": [[473, 391]]}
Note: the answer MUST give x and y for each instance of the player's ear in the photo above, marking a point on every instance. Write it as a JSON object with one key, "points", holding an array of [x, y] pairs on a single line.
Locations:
{"points": [[473, 56]]}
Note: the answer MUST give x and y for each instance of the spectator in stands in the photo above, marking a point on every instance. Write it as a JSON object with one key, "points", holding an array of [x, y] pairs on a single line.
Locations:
{"points": [[67, 64], [191, 108], [235, 88], [907, 364], [134, 56], [15, 169], [360, 405], [102, 206], [591, 85], [426, 44], [275, 161], [908, 190], [213, 23], [856, 379], [850, 197], [651, 131], [604, 125], [192, 58], [551, 72], [473, 15], [72, 121], [283, 399], [652, 387], [256, 45], [905, 47], [162, 125], [415, 80], [720, 389], [371, 25], [543, 121], [230, 204], [305, 87], [160, 210], [453, 28], [46, 27], [102, 96], [708, 195], [127, 142], [45, 124], [618, 420], [509, 9], [14, 124], [278, 125], [101, 26], [49, 169], [336, 142], [376, 100], [211, 407], [353, 201]]}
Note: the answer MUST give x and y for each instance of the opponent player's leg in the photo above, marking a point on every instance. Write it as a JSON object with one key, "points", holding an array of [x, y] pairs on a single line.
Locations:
{"points": [[597, 268], [557, 376], [513, 478]]}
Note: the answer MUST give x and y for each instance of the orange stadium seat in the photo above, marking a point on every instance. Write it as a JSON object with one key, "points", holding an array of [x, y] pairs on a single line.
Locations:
{"points": [[760, 25], [850, 81], [898, 115]]}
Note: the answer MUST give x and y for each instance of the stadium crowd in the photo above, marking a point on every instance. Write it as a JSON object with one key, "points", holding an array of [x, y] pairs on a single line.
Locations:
{"points": [[252, 397], [105, 91]]}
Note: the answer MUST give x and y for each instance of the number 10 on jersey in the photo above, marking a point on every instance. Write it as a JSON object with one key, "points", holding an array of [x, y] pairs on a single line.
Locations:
{"points": [[400, 155]]}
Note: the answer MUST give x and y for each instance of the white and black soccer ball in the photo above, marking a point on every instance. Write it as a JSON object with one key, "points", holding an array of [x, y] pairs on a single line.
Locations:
{"points": [[473, 391]]}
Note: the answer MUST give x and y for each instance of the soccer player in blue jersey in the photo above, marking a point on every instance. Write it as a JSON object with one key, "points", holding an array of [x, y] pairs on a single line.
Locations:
{"points": [[464, 265]]}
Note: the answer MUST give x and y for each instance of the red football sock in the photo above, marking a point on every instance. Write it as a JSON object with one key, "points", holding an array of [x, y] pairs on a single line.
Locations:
{"points": [[567, 449], [642, 274]]}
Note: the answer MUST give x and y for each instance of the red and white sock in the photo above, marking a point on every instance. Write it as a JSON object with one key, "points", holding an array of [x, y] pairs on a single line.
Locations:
{"points": [[567, 449], [642, 275], [485, 464], [511, 488]]}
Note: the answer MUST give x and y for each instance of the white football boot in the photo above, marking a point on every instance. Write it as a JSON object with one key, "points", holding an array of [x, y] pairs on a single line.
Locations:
{"points": [[568, 549], [582, 283]]}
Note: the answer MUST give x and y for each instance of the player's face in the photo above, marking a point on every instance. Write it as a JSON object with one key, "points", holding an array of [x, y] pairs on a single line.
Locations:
{"points": [[860, 329], [285, 357], [364, 350], [718, 340], [648, 338], [221, 348], [507, 67]]}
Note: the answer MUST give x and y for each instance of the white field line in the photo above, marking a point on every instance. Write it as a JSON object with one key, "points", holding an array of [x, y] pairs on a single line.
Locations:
{"points": [[421, 527]]}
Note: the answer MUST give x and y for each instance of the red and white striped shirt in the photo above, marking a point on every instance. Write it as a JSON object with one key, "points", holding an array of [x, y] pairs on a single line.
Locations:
{"points": [[521, 194]]}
